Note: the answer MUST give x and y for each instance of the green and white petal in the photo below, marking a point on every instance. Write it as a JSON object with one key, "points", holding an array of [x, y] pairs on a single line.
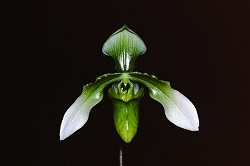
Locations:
{"points": [[178, 109], [77, 114], [124, 46]]}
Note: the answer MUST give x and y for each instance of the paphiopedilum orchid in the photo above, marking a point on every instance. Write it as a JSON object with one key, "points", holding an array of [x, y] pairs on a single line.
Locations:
{"points": [[124, 46]]}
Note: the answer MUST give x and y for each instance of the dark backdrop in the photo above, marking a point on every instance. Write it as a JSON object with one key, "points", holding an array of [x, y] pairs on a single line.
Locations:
{"points": [[201, 47]]}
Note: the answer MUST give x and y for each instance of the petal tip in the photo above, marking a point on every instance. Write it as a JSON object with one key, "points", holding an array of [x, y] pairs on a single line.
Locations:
{"points": [[62, 135], [62, 138], [191, 127], [195, 129]]}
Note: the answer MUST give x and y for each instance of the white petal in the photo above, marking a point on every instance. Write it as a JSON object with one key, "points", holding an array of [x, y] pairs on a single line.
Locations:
{"points": [[180, 111], [77, 115]]}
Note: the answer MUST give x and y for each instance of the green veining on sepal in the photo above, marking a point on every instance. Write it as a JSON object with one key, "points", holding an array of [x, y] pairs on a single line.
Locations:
{"points": [[126, 99], [124, 46]]}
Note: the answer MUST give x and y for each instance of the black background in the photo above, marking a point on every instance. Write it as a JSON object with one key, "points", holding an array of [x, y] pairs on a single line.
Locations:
{"points": [[201, 47]]}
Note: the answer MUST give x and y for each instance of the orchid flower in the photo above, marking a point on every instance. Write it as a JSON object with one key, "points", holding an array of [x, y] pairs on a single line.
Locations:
{"points": [[124, 46]]}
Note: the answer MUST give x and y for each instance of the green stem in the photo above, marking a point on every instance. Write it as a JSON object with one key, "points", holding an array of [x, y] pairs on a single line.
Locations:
{"points": [[120, 157]]}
